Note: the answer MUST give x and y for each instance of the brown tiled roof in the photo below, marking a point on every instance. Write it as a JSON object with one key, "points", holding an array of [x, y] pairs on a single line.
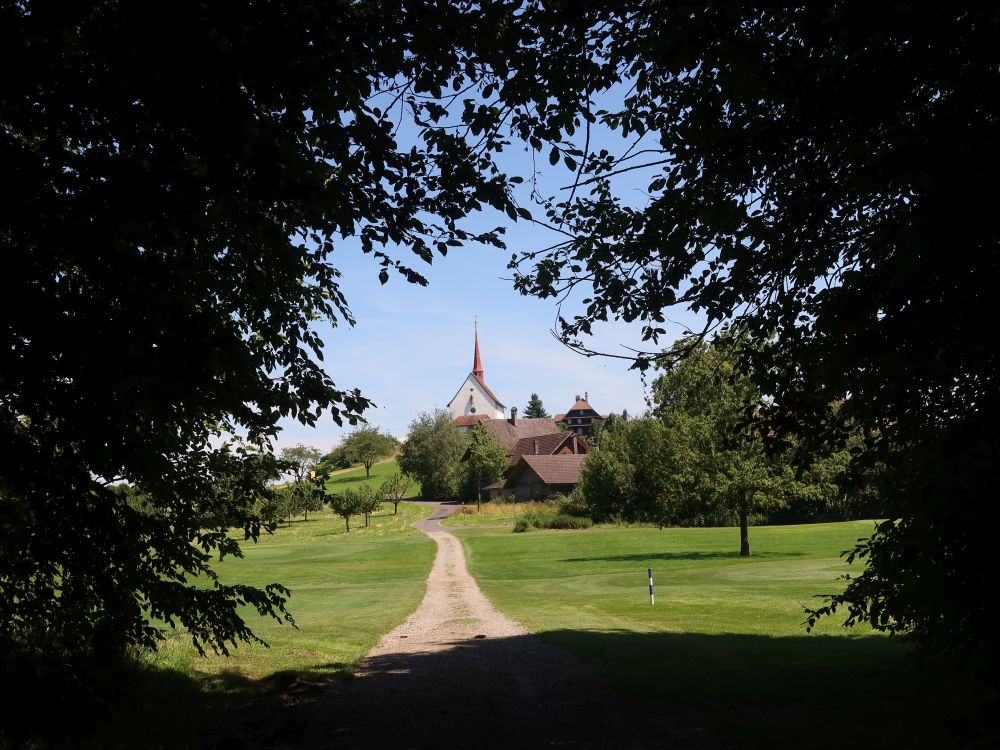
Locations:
{"points": [[564, 469], [558, 417], [547, 444], [580, 405], [509, 434], [469, 420]]}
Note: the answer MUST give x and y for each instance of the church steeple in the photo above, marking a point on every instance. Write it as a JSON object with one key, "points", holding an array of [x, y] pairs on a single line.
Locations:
{"points": [[477, 362]]}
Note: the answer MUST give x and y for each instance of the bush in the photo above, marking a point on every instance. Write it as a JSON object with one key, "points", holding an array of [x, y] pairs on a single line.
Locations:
{"points": [[566, 521], [574, 505], [551, 520]]}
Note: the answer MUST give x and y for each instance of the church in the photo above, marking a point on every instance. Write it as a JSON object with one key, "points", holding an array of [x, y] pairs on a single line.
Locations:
{"points": [[545, 455], [474, 401]]}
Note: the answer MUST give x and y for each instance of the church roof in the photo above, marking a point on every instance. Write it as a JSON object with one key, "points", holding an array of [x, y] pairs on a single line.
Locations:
{"points": [[483, 385], [489, 392], [477, 363]]}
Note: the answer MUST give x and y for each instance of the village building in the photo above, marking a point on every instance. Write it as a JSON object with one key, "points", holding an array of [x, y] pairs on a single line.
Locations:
{"points": [[535, 477], [474, 401], [580, 418], [545, 455]]}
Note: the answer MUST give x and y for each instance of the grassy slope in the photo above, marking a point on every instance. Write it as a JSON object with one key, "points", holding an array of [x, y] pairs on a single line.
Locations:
{"points": [[356, 477], [347, 590], [725, 635]]}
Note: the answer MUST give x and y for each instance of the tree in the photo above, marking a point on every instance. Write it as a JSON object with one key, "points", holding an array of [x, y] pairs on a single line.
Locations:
{"points": [[333, 461], [394, 489], [711, 412], [369, 501], [347, 503], [301, 497], [601, 425], [535, 409], [818, 173], [181, 212], [301, 460], [431, 454], [486, 459], [626, 476], [366, 445]]}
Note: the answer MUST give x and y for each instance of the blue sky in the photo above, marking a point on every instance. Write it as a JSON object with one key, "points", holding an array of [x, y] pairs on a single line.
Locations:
{"points": [[412, 346]]}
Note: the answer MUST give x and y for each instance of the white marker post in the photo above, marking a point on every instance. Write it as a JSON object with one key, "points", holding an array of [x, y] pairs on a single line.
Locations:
{"points": [[652, 598]]}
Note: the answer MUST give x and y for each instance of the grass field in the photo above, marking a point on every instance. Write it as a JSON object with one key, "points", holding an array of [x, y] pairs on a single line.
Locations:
{"points": [[356, 478], [347, 590], [725, 636], [493, 514]]}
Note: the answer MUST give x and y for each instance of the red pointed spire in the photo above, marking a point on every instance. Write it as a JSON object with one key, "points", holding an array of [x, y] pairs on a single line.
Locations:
{"points": [[477, 362]]}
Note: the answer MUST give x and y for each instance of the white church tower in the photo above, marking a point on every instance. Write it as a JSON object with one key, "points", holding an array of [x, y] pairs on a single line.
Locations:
{"points": [[474, 400]]}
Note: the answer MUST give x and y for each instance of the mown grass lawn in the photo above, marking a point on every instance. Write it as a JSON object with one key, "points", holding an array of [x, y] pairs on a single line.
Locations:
{"points": [[356, 478], [725, 636], [347, 591]]}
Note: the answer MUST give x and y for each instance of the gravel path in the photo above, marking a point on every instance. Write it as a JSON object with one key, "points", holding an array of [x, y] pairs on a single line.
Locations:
{"points": [[460, 674]]}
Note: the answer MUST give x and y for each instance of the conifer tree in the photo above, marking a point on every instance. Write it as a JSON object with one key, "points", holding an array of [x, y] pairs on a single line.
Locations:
{"points": [[535, 409]]}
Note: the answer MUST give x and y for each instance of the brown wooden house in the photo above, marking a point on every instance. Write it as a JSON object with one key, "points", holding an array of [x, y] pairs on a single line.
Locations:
{"points": [[580, 418]]}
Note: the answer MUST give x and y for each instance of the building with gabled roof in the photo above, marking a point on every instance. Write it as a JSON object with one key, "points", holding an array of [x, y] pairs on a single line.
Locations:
{"points": [[474, 400], [580, 418], [534, 476]]}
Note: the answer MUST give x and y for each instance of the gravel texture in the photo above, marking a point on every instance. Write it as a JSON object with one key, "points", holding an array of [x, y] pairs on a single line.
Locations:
{"points": [[460, 674]]}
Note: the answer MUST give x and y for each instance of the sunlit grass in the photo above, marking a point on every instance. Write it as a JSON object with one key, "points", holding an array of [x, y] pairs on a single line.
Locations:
{"points": [[356, 478], [726, 634], [495, 513], [348, 589]]}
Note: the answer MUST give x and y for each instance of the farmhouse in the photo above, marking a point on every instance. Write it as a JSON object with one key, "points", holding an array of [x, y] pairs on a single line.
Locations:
{"points": [[538, 476]]}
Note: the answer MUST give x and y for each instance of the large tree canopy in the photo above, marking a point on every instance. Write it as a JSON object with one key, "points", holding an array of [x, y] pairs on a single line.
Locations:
{"points": [[173, 190], [820, 174]]}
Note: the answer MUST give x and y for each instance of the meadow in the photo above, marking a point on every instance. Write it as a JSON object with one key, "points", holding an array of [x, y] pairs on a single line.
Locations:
{"points": [[724, 640], [725, 636], [355, 477], [347, 591]]}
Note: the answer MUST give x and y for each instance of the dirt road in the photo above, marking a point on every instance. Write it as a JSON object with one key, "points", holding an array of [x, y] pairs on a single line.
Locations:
{"points": [[460, 674]]}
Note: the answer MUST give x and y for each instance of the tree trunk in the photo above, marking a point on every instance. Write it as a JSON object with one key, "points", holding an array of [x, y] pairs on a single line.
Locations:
{"points": [[395, 507], [368, 469], [744, 535], [479, 493], [348, 522]]}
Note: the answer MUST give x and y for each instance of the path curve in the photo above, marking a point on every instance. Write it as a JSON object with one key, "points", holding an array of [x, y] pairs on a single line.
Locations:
{"points": [[460, 674]]}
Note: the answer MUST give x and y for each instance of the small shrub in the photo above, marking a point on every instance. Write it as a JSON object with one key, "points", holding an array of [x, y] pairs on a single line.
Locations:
{"points": [[522, 525], [566, 521], [533, 518], [573, 506]]}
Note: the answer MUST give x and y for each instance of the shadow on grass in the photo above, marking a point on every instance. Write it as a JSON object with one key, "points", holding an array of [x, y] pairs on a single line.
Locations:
{"points": [[790, 692], [167, 708], [691, 555], [589, 689]]}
